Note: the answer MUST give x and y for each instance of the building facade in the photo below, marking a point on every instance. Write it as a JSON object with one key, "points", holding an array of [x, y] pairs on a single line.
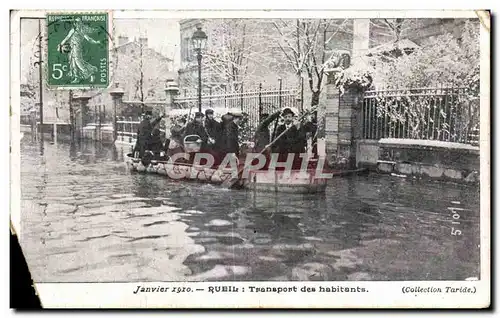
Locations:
{"points": [[140, 71]]}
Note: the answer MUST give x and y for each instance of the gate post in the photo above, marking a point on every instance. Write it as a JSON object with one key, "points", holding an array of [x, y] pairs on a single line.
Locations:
{"points": [[171, 90], [117, 95], [342, 124], [82, 102]]}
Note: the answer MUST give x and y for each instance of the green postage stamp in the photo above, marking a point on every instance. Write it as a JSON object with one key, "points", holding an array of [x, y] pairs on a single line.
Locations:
{"points": [[78, 50]]}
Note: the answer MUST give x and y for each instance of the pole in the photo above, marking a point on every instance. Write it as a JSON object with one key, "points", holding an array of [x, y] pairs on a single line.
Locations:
{"points": [[241, 99], [115, 121], [71, 116], [199, 80], [281, 86], [40, 74], [210, 98], [301, 93], [260, 101]]}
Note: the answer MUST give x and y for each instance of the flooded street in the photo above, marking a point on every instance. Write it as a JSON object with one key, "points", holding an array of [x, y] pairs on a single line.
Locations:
{"points": [[85, 218]]}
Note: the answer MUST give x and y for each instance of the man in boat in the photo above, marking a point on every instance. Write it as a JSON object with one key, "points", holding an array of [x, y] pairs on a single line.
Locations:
{"points": [[213, 128], [144, 132], [293, 141]]}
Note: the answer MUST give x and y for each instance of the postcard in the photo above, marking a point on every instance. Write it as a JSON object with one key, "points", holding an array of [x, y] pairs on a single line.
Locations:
{"points": [[252, 159]]}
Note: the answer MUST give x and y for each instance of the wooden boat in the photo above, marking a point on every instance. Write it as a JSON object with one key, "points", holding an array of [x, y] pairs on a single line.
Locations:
{"points": [[294, 181]]}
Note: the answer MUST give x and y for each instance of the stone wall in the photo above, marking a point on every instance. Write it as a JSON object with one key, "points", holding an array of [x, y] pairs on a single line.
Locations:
{"points": [[429, 158], [367, 151]]}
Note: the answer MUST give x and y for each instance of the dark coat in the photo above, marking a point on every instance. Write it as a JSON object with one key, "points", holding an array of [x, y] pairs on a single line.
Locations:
{"points": [[213, 128], [293, 141], [195, 128], [262, 138], [155, 143], [229, 139], [144, 134]]}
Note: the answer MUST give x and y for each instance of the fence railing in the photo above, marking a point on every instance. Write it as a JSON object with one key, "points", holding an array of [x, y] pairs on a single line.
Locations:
{"points": [[254, 103], [126, 131], [445, 114]]}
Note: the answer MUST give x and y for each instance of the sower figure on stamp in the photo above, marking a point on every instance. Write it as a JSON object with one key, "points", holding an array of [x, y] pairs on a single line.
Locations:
{"points": [[73, 44], [144, 132]]}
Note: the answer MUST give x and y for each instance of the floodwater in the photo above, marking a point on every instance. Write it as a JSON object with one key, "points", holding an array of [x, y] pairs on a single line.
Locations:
{"points": [[85, 218]]}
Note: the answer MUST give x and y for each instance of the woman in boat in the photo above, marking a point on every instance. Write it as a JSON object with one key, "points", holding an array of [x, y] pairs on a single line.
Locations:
{"points": [[196, 128], [229, 143], [221, 144], [155, 143]]}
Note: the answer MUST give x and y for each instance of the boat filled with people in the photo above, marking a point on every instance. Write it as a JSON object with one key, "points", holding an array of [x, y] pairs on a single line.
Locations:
{"points": [[206, 150]]}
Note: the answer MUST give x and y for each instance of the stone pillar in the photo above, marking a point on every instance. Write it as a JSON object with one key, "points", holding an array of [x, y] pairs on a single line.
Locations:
{"points": [[171, 90], [342, 124], [83, 117], [117, 95], [331, 119]]}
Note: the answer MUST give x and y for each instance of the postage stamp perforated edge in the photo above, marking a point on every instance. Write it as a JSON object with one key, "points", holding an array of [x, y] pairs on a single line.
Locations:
{"points": [[110, 49]]}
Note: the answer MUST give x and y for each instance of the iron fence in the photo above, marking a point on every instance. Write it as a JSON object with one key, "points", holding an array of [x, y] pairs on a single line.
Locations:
{"points": [[445, 114], [253, 103]]}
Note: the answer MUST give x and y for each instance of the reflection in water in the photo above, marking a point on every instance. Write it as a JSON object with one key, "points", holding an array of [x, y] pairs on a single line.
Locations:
{"points": [[86, 218]]}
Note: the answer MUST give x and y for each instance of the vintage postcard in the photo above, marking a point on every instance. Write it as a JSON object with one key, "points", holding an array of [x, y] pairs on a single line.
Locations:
{"points": [[252, 159]]}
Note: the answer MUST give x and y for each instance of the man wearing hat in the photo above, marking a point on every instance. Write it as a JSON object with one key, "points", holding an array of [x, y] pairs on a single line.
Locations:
{"points": [[196, 128], [293, 141], [213, 128], [144, 132]]}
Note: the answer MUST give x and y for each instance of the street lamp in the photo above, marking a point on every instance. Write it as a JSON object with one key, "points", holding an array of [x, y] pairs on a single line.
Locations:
{"points": [[199, 40]]}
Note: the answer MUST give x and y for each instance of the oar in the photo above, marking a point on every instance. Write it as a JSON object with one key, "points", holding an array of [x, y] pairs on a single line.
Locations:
{"points": [[230, 182]]}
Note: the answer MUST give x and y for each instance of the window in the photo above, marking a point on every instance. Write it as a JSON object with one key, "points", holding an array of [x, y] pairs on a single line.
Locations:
{"points": [[186, 50]]}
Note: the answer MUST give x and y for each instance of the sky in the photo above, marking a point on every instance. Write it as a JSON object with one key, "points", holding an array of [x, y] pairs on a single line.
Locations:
{"points": [[163, 36]]}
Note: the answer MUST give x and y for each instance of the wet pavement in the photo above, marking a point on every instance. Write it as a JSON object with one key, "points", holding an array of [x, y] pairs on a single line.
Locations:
{"points": [[85, 218]]}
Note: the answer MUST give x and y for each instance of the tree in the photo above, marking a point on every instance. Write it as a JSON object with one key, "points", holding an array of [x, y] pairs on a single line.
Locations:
{"points": [[233, 54], [303, 44], [391, 30], [444, 61], [141, 71]]}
